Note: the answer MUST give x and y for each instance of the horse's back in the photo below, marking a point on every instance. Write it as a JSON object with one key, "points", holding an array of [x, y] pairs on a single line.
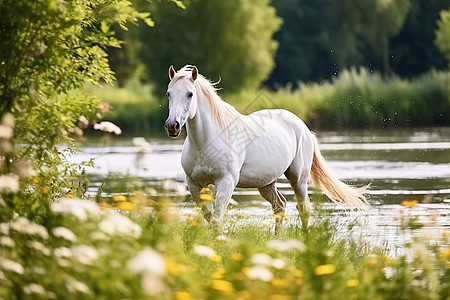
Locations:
{"points": [[278, 137]]}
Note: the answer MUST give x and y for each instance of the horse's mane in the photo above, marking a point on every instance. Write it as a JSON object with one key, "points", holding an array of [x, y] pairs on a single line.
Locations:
{"points": [[223, 113]]}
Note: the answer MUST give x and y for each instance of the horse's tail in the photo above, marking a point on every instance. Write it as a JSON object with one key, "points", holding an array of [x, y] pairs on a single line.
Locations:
{"points": [[335, 189]]}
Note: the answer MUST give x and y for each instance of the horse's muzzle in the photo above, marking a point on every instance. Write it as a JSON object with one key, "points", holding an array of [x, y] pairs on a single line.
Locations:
{"points": [[173, 128]]}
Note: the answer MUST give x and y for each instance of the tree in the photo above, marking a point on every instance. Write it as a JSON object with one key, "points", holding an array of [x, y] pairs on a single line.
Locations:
{"points": [[229, 39], [443, 34], [48, 50]]}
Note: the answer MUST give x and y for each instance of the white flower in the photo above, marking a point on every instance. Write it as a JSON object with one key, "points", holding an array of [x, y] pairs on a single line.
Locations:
{"points": [[99, 236], [39, 247], [64, 233], [148, 261], [25, 168], [6, 132], [278, 264], [34, 288], [62, 252], [10, 265], [259, 273], [83, 121], [152, 285], [107, 126], [81, 209], [84, 253], [141, 142], [120, 225], [9, 183], [204, 251], [287, 245], [6, 241], [24, 225], [74, 286], [261, 259], [8, 120]]}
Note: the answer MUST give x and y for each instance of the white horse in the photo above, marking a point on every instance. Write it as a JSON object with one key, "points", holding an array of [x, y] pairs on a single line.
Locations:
{"points": [[228, 149]]}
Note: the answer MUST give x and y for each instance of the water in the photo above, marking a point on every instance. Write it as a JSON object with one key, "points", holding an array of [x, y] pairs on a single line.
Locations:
{"points": [[407, 164]]}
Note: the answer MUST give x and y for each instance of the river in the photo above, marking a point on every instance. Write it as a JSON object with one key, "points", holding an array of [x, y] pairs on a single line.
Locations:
{"points": [[399, 164]]}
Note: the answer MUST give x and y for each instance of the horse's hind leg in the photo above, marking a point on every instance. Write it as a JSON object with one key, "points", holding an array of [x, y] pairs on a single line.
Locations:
{"points": [[271, 194], [299, 182]]}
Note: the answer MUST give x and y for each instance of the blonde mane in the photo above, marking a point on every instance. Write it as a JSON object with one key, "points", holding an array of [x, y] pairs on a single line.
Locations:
{"points": [[223, 113]]}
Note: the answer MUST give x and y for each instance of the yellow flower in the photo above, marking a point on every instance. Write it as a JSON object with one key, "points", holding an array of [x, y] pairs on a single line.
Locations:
{"points": [[245, 295], [352, 283], [197, 208], [206, 197], [238, 276], [237, 256], [218, 274], [324, 270], [105, 204], [446, 234], [126, 206], [45, 190], [172, 267], [69, 195], [216, 258], [205, 190], [298, 273], [279, 283], [222, 286], [120, 198], [36, 180], [183, 295], [243, 216], [447, 254], [410, 203], [280, 297]]}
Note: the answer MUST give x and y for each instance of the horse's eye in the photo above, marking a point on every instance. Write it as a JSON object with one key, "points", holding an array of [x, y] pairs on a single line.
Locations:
{"points": [[190, 94], [168, 94]]}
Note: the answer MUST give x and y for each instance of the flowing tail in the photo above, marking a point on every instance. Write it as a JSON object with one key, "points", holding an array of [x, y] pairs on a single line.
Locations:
{"points": [[335, 189]]}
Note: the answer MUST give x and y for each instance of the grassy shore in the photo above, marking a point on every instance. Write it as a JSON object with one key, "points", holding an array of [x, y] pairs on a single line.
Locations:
{"points": [[354, 99]]}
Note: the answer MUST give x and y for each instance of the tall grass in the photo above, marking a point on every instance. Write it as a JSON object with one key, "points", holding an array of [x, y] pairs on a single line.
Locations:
{"points": [[355, 98]]}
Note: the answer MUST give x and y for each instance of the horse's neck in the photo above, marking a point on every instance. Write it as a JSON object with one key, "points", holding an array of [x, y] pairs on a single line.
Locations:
{"points": [[201, 129]]}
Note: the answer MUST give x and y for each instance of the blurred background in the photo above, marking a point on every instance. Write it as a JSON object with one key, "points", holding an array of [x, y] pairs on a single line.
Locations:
{"points": [[336, 64]]}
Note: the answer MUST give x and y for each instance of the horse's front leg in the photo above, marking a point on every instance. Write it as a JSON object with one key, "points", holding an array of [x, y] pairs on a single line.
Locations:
{"points": [[225, 187], [206, 206]]}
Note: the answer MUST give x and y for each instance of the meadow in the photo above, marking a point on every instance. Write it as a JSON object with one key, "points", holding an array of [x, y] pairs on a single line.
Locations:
{"points": [[356, 98], [131, 247]]}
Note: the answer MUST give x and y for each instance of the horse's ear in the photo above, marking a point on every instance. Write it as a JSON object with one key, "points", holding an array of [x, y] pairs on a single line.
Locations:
{"points": [[171, 72], [194, 73]]}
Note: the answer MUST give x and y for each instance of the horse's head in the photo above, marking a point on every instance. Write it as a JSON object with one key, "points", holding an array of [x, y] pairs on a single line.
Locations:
{"points": [[182, 98]]}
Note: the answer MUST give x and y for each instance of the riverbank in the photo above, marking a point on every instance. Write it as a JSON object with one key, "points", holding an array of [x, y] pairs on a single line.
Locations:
{"points": [[354, 99]]}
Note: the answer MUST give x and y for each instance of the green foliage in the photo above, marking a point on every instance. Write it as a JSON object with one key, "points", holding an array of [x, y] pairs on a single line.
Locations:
{"points": [[227, 39], [443, 34], [49, 49]]}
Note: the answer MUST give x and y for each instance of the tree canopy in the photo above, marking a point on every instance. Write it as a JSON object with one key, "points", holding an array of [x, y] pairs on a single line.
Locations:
{"points": [[230, 39]]}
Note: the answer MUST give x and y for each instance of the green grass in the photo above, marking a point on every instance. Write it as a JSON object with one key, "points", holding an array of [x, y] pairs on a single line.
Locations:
{"points": [[355, 98], [155, 254]]}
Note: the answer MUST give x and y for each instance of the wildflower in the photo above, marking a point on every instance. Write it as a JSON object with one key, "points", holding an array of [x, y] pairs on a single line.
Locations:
{"points": [[120, 225], [78, 208], [74, 286], [409, 203], [259, 273], [216, 258], [10, 265], [206, 197], [222, 237], [352, 283], [6, 132], [205, 190], [446, 234], [45, 190], [9, 183], [152, 285], [6, 241], [34, 288], [287, 245], [119, 198], [218, 274], [38, 246], [24, 225], [107, 126], [222, 286], [172, 267], [278, 264], [197, 208], [324, 270], [140, 142], [237, 256], [280, 297], [446, 254], [298, 273], [25, 168], [8, 120], [83, 121], [62, 252], [279, 283], [204, 251], [64, 233], [148, 261], [183, 295], [261, 259], [127, 206], [85, 254]]}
